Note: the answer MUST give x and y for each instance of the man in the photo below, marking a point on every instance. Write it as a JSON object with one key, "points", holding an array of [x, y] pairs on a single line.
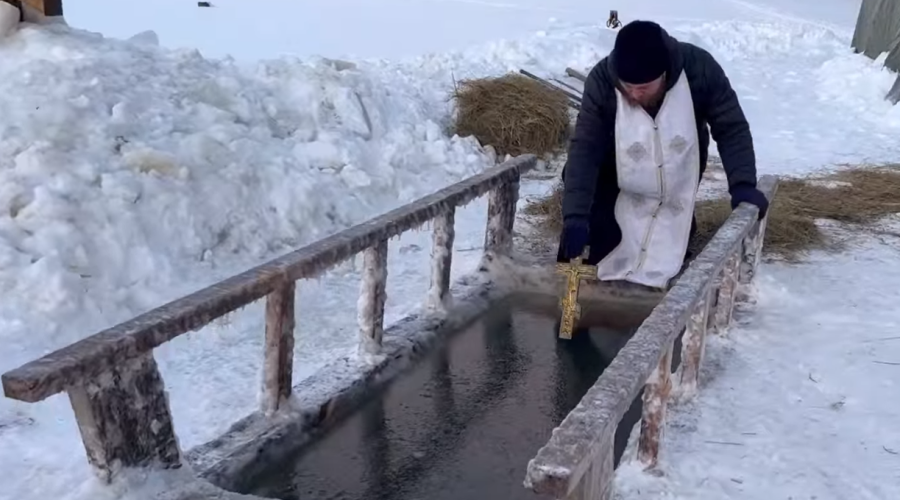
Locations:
{"points": [[639, 150]]}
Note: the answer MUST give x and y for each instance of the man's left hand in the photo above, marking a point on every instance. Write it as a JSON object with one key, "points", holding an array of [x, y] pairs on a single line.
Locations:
{"points": [[745, 193]]}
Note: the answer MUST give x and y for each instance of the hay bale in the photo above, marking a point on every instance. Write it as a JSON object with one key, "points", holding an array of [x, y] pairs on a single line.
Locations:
{"points": [[514, 114], [858, 197]]}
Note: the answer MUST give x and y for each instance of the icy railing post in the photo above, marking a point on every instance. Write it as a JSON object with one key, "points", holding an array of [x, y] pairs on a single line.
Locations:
{"points": [[372, 295], [124, 420], [693, 346], [279, 356], [441, 259], [501, 216], [653, 417], [728, 287]]}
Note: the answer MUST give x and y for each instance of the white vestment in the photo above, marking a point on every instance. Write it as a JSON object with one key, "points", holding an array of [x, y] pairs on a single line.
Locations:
{"points": [[658, 168]]}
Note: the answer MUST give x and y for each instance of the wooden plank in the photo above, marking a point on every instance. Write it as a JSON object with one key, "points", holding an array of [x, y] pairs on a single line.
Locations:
{"points": [[86, 359], [574, 100], [576, 75], [559, 466], [279, 355], [577, 91], [124, 419], [443, 235]]}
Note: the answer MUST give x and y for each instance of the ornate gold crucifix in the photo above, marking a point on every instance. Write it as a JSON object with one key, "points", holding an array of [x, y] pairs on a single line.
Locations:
{"points": [[574, 272]]}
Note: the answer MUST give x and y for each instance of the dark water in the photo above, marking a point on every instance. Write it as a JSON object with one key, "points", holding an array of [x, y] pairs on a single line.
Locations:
{"points": [[464, 422]]}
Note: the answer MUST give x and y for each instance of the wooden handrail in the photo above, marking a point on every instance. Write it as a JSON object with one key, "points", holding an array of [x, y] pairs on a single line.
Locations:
{"points": [[116, 391], [576, 463], [86, 359]]}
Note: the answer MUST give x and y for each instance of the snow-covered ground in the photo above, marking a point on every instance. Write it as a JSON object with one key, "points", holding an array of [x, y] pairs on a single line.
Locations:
{"points": [[132, 174], [800, 399]]}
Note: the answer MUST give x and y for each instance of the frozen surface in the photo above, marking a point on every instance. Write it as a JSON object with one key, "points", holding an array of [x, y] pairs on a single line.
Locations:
{"points": [[132, 174]]}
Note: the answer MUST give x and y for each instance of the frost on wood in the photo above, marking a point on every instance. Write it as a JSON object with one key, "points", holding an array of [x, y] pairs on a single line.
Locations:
{"points": [[372, 295], [86, 359], [441, 260], [653, 418], [727, 293], [693, 346], [279, 356], [501, 216], [574, 446], [124, 419]]}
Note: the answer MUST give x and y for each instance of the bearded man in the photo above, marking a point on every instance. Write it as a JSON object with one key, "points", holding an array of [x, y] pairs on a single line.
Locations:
{"points": [[638, 153]]}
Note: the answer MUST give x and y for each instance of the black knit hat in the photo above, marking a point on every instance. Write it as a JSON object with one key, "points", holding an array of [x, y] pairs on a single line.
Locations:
{"points": [[640, 53]]}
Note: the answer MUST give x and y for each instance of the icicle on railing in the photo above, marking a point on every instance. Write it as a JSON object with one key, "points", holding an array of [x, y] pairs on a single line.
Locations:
{"points": [[279, 355], [372, 296], [441, 259]]}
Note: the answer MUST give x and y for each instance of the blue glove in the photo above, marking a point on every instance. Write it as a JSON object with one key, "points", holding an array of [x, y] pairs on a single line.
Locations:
{"points": [[574, 237], [747, 193]]}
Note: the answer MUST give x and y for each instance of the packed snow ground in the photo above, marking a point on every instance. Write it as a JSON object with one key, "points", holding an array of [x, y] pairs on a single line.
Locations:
{"points": [[131, 175]]}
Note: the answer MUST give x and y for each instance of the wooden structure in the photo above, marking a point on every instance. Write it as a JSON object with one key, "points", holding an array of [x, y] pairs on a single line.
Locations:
{"points": [[577, 462], [36, 10], [878, 31], [111, 378]]}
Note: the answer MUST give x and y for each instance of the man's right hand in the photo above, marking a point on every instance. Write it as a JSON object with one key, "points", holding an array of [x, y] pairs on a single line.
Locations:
{"points": [[574, 237]]}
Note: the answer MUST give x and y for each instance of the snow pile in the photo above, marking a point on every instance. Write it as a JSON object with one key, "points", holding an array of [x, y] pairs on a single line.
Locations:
{"points": [[128, 173]]}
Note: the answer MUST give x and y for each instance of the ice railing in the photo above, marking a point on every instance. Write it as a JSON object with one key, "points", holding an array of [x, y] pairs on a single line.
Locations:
{"points": [[111, 378], [577, 461]]}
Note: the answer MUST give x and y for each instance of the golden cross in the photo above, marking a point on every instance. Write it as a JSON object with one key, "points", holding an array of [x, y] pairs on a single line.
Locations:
{"points": [[574, 272]]}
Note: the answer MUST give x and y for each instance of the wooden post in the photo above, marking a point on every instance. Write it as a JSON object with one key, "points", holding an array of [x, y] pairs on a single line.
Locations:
{"points": [[124, 419], [501, 217], [693, 346], [441, 259], [727, 293], [372, 295], [279, 357], [752, 251], [653, 419]]}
